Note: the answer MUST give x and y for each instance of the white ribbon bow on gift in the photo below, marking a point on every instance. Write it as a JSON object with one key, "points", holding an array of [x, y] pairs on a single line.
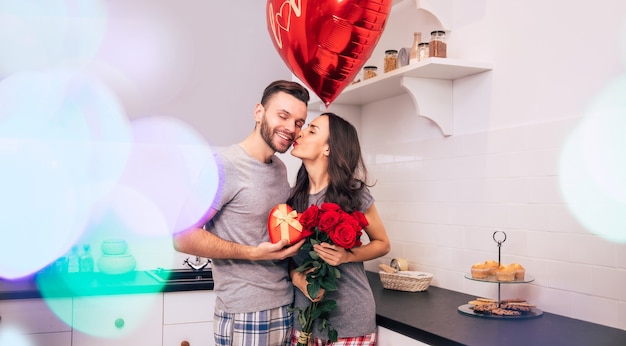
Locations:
{"points": [[286, 219]]}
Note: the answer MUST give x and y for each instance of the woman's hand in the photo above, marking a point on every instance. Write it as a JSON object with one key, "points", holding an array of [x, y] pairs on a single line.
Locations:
{"points": [[299, 280], [332, 254]]}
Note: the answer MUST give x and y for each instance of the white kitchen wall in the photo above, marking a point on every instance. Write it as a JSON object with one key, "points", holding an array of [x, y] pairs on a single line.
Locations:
{"points": [[442, 198], [205, 62]]}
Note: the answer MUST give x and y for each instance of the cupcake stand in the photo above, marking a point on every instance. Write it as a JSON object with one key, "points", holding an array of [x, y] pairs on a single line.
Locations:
{"points": [[500, 237]]}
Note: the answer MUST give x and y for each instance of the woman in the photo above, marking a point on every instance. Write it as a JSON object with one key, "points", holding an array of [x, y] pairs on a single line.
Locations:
{"points": [[333, 171]]}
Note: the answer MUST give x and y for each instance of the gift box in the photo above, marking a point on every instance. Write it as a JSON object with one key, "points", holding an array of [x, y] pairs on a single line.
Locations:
{"points": [[283, 224]]}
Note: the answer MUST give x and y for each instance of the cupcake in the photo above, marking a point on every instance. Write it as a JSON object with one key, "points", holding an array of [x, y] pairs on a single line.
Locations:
{"points": [[520, 271], [480, 271], [492, 265], [505, 273]]}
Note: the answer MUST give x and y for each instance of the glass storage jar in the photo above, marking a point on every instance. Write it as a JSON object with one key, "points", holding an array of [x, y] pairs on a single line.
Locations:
{"points": [[437, 44], [391, 60], [369, 72], [423, 52]]}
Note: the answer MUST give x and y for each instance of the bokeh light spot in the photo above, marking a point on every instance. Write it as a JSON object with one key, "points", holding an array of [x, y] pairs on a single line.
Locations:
{"points": [[172, 166], [111, 322], [38, 203], [58, 156], [45, 34], [593, 166]]}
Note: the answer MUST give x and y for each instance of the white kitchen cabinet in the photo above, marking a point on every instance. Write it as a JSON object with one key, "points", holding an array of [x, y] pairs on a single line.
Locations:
{"points": [[188, 316], [388, 337], [130, 319], [37, 322]]}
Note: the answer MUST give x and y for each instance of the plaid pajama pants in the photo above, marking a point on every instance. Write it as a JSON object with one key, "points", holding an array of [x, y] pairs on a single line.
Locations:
{"points": [[262, 328]]}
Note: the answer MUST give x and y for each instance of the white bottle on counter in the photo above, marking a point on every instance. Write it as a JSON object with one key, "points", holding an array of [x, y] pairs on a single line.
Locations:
{"points": [[86, 259], [73, 261]]}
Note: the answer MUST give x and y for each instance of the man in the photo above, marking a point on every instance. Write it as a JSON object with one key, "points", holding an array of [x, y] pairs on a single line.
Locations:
{"points": [[251, 274]]}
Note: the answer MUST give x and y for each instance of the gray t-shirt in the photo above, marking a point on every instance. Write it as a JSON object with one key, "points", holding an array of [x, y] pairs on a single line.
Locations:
{"points": [[356, 309], [249, 189]]}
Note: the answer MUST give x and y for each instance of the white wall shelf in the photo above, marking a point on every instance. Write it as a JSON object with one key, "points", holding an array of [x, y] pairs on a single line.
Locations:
{"points": [[390, 84], [429, 83]]}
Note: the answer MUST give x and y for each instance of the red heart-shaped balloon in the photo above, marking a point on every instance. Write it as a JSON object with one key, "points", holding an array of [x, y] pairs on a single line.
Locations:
{"points": [[326, 42]]}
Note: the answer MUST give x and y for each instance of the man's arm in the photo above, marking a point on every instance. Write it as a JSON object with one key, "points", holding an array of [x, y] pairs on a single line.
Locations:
{"points": [[199, 242]]}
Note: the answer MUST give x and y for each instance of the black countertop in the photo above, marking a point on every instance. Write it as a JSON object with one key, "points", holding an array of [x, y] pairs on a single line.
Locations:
{"points": [[92, 284], [432, 317]]}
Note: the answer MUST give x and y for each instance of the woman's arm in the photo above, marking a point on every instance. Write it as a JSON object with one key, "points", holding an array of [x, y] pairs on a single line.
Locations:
{"points": [[378, 246]]}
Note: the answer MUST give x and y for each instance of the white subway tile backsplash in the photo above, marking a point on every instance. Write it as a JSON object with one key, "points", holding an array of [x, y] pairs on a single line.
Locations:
{"points": [[620, 256], [507, 140], [383, 158], [444, 278], [497, 165], [535, 163], [562, 220], [437, 257], [415, 253], [607, 282], [544, 190], [481, 239], [550, 135], [514, 190], [590, 249], [621, 315], [570, 277], [553, 246], [551, 300], [595, 309], [448, 235], [404, 231], [441, 199]]}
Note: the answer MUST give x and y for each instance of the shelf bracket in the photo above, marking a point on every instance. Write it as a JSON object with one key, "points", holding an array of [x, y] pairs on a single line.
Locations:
{"points": [[433, 100], [441, 9]]}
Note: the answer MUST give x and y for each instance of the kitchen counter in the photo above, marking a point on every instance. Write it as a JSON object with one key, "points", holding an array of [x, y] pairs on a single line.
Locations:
{"points": [[91, 284], [432, 317]]}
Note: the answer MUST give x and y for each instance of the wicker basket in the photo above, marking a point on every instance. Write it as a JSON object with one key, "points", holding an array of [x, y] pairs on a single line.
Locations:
{"points": [[408, 281]]}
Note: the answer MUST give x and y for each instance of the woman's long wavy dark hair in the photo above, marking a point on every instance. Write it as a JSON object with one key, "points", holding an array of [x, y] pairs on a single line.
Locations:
{"points": [[346, 169]]}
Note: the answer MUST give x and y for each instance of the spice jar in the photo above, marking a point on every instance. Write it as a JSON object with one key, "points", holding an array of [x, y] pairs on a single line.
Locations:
{"points": [[437, 44], [423, 51], [391, 60], [369, 72]]}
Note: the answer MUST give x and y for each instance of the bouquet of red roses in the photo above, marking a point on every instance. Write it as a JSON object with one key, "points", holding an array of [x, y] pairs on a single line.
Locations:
{"points": [[327, 223]]}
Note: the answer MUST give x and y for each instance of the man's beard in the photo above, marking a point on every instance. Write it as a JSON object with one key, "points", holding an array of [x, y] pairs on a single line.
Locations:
{"points": [[267, 134]]}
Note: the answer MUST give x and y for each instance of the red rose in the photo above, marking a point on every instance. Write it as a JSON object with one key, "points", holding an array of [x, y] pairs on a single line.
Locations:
{"points": [[358, 242], [344, 234], [327, 206], [360, 217], [309, 218], [307, 232], [328, 220]]}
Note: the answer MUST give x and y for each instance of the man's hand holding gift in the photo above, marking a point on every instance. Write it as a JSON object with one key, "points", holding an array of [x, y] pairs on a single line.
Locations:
{"points": [[283, 224]]}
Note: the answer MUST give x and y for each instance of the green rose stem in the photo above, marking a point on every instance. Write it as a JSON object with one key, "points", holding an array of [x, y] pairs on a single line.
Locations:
{"points": [[341, 229], [324, 276]]}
